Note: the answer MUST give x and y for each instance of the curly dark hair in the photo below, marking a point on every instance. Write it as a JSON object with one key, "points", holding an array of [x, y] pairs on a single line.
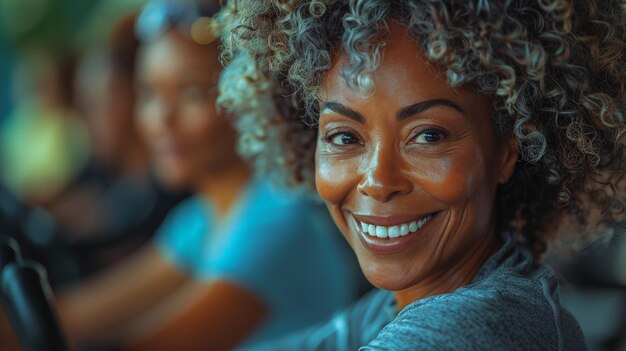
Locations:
{"points": [[554, 69]]}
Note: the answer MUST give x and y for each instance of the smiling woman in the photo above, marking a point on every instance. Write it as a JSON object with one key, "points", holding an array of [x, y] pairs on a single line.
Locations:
{"points": [[451, 142], [411, 185]]}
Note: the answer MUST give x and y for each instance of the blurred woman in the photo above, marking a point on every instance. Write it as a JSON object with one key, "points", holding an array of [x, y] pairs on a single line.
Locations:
{"points": [[241, 261], [116, 204], [44, 120]]}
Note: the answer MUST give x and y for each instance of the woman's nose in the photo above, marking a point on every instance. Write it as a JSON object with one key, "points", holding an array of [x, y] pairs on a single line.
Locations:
{"points": [[382, 178], [159, 115]]}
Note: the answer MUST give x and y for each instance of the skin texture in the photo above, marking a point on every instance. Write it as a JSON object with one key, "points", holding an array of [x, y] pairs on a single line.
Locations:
{"points": [[145, 303], [437, 161]]}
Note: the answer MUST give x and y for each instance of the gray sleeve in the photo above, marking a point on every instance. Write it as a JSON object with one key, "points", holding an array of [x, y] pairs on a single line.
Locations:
{"points": [[330, 336], [468, 322], [431, 326], [346, 331]]}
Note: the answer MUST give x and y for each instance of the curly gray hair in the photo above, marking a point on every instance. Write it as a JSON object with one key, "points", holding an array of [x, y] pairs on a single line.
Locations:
{"points": [[554, 69]]}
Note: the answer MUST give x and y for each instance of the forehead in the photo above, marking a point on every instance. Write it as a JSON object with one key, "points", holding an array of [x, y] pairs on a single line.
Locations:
{"points": [[172, 51], [404, 77]]}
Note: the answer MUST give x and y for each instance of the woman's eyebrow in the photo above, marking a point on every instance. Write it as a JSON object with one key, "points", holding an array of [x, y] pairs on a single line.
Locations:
{"points": [[411, 110], [342, 110], [404, 113]]}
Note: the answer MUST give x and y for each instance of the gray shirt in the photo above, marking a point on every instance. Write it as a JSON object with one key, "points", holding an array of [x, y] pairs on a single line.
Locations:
{"points": [[512, 304]]}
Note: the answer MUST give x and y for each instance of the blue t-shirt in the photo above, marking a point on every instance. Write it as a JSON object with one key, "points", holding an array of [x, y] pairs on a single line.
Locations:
{"points": [[512, 304], [280, 245]]}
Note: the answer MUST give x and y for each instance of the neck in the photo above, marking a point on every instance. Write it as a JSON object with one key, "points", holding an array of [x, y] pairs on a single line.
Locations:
{"points": [[222, 187], [460, 274]]}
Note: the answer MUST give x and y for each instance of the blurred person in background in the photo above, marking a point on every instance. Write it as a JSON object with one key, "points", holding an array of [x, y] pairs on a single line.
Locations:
{"points": [[44, 120], [240, 261], [74, 178], [83, 187], [42, 117], [116, 204], [43, 147]]}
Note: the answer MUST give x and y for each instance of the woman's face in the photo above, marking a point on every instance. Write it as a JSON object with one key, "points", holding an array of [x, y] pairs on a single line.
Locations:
{"points": [[105, 97], [187, 138], [410, 170]]}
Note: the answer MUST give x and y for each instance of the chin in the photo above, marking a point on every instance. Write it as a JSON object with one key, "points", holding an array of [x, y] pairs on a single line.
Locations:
{"points": [[387, 283], [387, 276], [172, 181]]}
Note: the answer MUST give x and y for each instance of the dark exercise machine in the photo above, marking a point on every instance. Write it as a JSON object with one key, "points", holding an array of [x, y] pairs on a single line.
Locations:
{"points": [[27, 300]]}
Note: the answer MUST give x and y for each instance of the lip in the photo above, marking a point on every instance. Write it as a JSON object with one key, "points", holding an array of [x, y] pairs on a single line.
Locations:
{"points": [[389, 246], [167, 147]]}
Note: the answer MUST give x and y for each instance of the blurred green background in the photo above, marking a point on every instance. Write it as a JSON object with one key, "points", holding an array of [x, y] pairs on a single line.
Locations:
{"points": [[49, 28]]}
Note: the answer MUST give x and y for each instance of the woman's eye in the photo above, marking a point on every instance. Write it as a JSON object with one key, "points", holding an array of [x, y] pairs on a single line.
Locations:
{"points": [[429, 137], [343, 139]]}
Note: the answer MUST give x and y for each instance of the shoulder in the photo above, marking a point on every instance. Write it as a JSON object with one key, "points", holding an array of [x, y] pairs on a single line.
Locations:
{"points": [[275, 196], [346, 330], [189, 219], [267, 205], [290, 227], [511, 312], [193, 206], [269, 228]]}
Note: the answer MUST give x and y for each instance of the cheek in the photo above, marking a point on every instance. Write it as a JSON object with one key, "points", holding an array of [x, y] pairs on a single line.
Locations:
{"points": [[149, 119], [147, 127], [197, 116], [210, 143], [199, 125], [453, 179], [334, 178]]}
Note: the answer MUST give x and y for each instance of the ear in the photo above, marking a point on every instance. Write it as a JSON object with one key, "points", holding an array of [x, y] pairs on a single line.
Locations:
{"points": [[508, 157]]}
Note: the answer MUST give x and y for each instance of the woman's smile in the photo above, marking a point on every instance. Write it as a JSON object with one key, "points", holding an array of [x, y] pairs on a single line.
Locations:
{"points": [[390, 234]]}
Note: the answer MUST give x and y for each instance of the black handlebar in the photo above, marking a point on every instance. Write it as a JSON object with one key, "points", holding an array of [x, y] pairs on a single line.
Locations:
{"points": [[27, 299]]}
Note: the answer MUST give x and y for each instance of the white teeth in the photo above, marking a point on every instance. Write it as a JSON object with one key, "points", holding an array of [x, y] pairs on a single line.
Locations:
{"points": [[425, 219], [393, 231], [381, 232]]}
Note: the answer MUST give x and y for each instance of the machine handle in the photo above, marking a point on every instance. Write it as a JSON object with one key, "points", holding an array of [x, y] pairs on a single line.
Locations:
{"points": [[27, 299]]}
